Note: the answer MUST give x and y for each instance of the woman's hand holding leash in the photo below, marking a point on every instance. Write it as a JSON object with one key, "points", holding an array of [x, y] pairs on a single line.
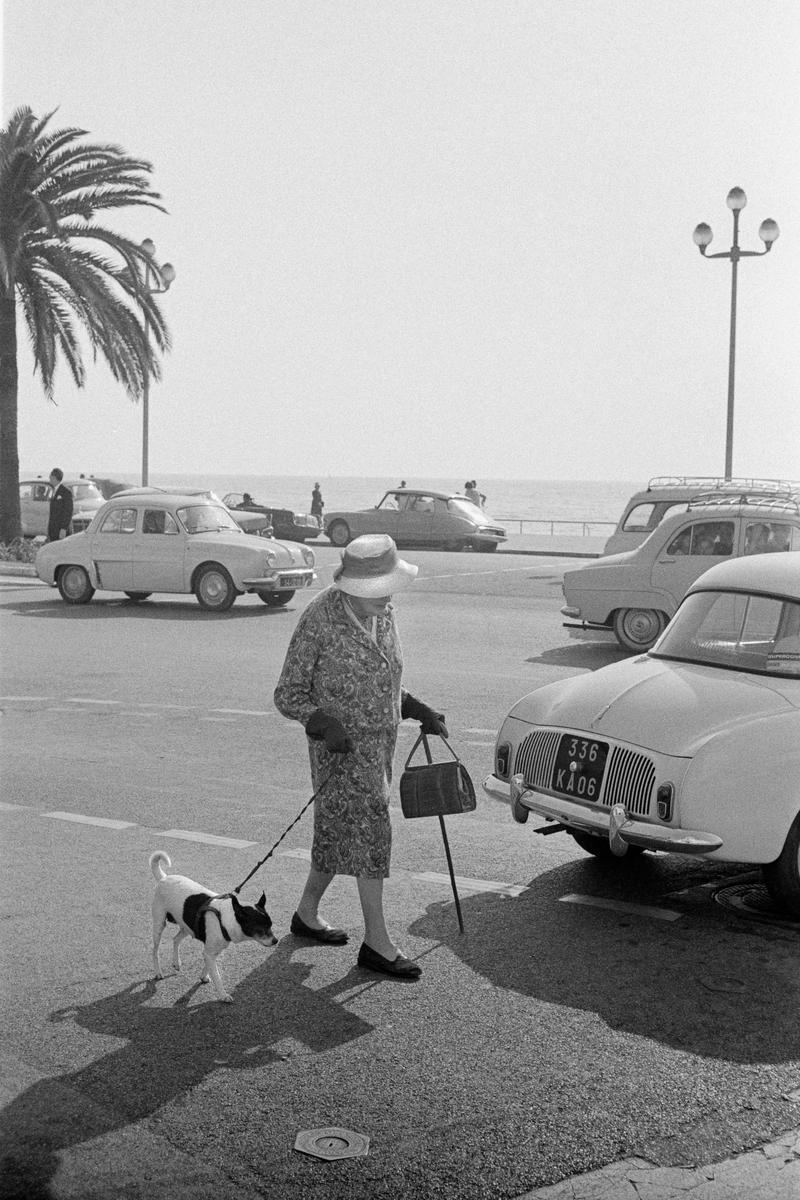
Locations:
{"points": [[321, 726]]}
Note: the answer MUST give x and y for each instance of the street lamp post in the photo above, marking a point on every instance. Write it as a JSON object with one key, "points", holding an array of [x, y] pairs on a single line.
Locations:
{"points": [[768, 231], [167, 273]]}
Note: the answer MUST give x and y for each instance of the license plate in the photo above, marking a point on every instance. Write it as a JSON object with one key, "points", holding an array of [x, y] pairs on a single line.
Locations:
{"points": [[579, 767], [287, 581]]}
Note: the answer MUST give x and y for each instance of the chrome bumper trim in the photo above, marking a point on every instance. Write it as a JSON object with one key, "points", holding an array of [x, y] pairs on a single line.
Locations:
{"points": [[298, 578], [611, 823]]}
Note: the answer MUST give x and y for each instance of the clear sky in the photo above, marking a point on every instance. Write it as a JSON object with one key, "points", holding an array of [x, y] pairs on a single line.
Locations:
{"points": [[430, 237]]}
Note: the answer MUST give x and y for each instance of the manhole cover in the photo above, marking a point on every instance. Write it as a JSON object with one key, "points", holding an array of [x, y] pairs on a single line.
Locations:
{"points": [[332, 1143], [754, 901]]}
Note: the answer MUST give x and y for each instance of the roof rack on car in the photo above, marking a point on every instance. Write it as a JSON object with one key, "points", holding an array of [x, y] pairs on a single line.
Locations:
{"points": [[784, 502], [718, 483]]}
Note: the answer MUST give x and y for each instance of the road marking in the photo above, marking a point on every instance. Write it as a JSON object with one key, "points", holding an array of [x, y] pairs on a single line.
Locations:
{"points": [[465, 574], [462, 882], [190, 835], [247, 712], [487, 732], [640, 910], [12, 807], [474, 743], [88, 700], [106, 822]]}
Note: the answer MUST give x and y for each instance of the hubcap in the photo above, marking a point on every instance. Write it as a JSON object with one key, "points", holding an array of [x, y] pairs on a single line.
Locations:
{"points": [[213, 587], [73, 582], [641, 625]]}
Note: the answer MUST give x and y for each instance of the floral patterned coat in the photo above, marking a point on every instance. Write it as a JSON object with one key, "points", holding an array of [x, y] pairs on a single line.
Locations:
{"points": [[332, 663]]}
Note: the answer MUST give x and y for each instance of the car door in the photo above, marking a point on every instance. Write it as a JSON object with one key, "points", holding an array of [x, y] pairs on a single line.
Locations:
{"points": [[34, 504], [415, 520], [158, 553], [383, 519], [689, 551], [112, 549]]}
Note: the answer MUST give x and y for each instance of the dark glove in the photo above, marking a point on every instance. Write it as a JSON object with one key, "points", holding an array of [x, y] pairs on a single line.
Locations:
{"points": [[321, 726], [430, 721]]}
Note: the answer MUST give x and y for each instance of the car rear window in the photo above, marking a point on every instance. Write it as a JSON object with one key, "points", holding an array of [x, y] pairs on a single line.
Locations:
{"points": [[748, 632]]}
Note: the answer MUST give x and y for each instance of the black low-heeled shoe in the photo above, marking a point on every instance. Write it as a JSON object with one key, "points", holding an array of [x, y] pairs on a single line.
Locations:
{"points": [[400, 967], [329, 937]]}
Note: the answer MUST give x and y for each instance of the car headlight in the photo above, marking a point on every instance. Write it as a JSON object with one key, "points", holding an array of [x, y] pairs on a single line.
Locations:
{"points": [[308, 557], [271, 558]]}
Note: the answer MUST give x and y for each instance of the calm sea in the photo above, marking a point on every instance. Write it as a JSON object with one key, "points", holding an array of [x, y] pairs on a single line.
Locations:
{"points": [[525, 499]]}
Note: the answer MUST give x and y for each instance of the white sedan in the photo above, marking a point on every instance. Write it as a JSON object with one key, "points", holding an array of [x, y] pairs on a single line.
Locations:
{"points": [[139, 543], [693, 747]]}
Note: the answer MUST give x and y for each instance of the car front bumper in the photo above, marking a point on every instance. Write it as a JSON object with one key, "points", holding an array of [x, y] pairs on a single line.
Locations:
{"points": [[280, 581], [613, 823]]}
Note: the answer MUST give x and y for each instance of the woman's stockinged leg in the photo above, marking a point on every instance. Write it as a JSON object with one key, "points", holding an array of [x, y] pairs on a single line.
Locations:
{"points": [[376, 935], [316, 886]]}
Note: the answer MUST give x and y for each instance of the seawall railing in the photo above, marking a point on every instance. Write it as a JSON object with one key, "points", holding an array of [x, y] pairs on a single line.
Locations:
{"points": [[543, 525]]}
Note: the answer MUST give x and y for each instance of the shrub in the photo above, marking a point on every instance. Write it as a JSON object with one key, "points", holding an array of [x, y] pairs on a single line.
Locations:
{"points": [[20, 550]]}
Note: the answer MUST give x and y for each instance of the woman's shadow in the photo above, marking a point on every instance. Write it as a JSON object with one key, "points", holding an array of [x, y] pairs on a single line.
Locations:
{"points": [[167, 1052]]}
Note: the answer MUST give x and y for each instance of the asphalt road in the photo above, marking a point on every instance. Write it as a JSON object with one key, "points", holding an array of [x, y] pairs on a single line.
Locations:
{"points": [[550, 1038]]}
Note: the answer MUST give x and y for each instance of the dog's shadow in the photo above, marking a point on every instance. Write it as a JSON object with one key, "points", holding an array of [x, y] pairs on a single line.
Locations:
{"points": [[167, 1052]]}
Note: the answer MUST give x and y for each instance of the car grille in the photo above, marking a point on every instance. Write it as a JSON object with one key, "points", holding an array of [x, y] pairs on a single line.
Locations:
{"points": [[629, 776]]}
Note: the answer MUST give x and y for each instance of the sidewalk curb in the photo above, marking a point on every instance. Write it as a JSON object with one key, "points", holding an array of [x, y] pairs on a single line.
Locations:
{"points": [[768, 1172]]}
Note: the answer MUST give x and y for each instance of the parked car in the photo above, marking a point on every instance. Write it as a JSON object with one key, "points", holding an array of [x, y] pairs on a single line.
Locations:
{"points": [[291, 526], [414, 517], [691, 748], [34, 504], [666, 495], [255, 523], [149, 541], [635, 593]]}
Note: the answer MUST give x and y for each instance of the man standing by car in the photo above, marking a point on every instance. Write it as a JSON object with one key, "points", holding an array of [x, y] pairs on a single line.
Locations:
{"points": [[317, 503], [60, 516]]}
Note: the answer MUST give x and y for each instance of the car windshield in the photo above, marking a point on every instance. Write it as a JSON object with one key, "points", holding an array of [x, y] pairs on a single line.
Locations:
{"points": [[207, 518], [465, 508], [745, 631], [86, 491]]}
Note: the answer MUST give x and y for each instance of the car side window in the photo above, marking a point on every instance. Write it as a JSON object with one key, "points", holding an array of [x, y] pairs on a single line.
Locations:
{"points": [[704, 538], [41, 491], [638, 519], [390, 502], [766, 537], [422, 504], [119, 520], [156, 520], [26, 491]]}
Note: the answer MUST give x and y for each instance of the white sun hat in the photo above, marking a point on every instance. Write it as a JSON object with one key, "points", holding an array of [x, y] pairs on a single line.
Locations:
{"points": [[371, 567]]}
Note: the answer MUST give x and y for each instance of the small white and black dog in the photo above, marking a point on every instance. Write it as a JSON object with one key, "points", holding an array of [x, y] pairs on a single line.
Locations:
{"points": [[215, 920]]}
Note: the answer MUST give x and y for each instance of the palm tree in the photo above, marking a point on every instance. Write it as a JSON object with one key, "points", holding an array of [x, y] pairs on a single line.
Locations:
{"points": [[75, 280]]}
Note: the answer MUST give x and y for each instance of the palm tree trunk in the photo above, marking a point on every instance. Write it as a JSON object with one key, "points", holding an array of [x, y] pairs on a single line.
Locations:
{"points": [[10, 527]]}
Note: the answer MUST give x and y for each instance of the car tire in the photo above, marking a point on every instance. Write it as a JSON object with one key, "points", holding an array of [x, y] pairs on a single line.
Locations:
{"points": [[339, 533], [135, 597], [455, 545], [74, 584], [485, 547], [783, 876], [214, 588], [638, 628], [275, 599], [599, 846]]}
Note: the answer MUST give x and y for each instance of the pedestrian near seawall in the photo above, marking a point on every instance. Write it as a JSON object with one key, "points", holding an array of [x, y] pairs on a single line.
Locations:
{"points": [[317, 503], [342, 681]]}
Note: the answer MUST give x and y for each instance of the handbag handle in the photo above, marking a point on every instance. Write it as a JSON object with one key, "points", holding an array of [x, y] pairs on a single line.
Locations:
{"points": [[423, 737]]}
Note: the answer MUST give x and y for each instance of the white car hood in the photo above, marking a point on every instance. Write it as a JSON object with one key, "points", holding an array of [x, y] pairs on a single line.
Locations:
{"points": [[669, 707]]}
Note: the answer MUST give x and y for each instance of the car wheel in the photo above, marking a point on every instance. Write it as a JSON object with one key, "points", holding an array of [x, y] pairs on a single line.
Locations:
{"points": [[486, 547], [599, 846], [75, 585], [456, 544], [275, 599], [339, 533], [637, 628], [137, 596], [214, 588], [783, 876]]}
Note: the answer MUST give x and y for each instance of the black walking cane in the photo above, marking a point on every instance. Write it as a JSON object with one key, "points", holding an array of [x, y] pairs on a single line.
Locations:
{"points": [[434, 790]]}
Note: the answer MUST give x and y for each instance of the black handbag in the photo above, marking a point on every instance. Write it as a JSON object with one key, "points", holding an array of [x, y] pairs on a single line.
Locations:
{"points": [[435, 789]]}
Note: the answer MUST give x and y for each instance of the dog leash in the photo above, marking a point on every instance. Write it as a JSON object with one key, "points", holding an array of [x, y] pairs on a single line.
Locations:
{"points": [[288, 828]]}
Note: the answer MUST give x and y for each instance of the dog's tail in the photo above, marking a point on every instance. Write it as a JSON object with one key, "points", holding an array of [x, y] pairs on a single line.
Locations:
{"points": [[156, 859]]}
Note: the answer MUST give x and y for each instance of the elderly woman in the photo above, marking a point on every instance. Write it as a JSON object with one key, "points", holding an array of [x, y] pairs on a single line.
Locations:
{"points": [[341, 680]]}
